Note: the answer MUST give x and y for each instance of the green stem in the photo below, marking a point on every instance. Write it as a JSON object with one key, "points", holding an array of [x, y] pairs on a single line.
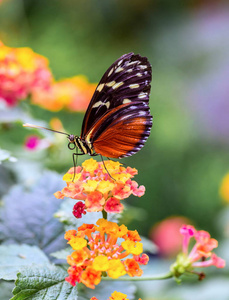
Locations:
{"points": [[158, 277], [104, 214]]}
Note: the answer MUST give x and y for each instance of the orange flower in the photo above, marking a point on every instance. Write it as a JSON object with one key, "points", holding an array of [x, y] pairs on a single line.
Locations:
{"points": [[90, 277], [97, 252], [97, 188], [71, 93]]}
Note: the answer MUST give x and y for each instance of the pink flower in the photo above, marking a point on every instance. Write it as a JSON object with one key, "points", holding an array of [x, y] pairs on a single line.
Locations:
{"points": [[201, 254]]}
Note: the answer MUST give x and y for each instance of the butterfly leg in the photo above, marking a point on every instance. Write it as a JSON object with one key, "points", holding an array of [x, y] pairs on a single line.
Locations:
{"points": [[106, 168], [74, 158]]}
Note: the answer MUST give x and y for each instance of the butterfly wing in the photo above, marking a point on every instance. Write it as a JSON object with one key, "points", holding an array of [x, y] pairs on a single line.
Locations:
{"points": [[127, 127], [127, 80], [118, 121]]}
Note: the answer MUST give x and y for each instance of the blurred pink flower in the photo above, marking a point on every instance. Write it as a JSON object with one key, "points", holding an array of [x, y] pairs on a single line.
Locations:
{"points": [[167, 237], [33, 143]]}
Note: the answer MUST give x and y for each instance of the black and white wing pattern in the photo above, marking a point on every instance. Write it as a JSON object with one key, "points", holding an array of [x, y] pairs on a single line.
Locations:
{"points": [[126, 81]]}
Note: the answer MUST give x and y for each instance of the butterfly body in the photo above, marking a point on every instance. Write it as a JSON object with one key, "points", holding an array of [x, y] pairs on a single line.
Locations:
{"points": [[118, 121]]}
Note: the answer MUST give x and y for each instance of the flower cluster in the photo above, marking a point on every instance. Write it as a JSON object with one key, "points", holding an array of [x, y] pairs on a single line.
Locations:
{"points": [[115, 296], [97, 253], [100, 188], [24, 73], [21, 71], [201, 254], [70, 93]]}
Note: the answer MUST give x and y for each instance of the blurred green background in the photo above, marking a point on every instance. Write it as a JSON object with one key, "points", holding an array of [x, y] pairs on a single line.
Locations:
{"points": [[186, 156]]}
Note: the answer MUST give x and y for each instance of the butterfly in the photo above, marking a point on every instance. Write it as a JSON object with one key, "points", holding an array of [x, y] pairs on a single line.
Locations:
{"points": [[117, 122]]}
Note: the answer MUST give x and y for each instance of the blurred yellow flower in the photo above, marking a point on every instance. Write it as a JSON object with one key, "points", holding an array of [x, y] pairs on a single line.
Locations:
{"points": [[224, 189]]}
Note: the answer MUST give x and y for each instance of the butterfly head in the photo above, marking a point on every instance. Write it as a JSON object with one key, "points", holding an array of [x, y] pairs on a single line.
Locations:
{"points": [[72, 139]]}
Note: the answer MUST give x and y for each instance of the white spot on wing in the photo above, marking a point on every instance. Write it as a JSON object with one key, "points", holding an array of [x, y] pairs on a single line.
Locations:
{"points": [[111, 71], [119, 69], [134, 86], [129, 71], [143, 67], [110, 83], [100, 87], [118, 84], [100, 103], [139, 74], [119, 63], [132, 63], [126, 100], [142, 95]]}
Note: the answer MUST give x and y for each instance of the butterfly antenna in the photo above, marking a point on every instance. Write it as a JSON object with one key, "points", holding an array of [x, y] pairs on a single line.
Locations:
{"points": [[40, 127], [106, 168]]}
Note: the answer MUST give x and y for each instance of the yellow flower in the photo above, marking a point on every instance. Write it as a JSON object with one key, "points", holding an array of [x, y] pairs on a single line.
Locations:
{"points": [[132, 247], [116, 268], [105, 186], [112, 166], [224, 189], [100, 263], [90, 165], [118, 296], [90, 186], [26, 58], [123, 177], [77, 243]]}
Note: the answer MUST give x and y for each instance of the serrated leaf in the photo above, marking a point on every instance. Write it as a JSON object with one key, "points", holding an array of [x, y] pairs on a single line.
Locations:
{"points": [[39, 283], [27, 216], [14, 257]]}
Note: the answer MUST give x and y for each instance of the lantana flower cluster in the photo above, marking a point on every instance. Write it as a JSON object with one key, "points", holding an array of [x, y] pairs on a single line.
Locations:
{"points": [[201, 254], [100, 188], [21, 70], [115, 296], [25, 73], [105, 249], [70, 93]]}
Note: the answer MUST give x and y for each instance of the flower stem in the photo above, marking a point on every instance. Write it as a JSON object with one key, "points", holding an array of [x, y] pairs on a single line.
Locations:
{"points": [[104, 214], [158, 277]]}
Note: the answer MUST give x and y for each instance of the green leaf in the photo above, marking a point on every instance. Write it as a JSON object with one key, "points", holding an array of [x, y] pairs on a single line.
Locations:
{"points": [[47, 282], [14, 257]]}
